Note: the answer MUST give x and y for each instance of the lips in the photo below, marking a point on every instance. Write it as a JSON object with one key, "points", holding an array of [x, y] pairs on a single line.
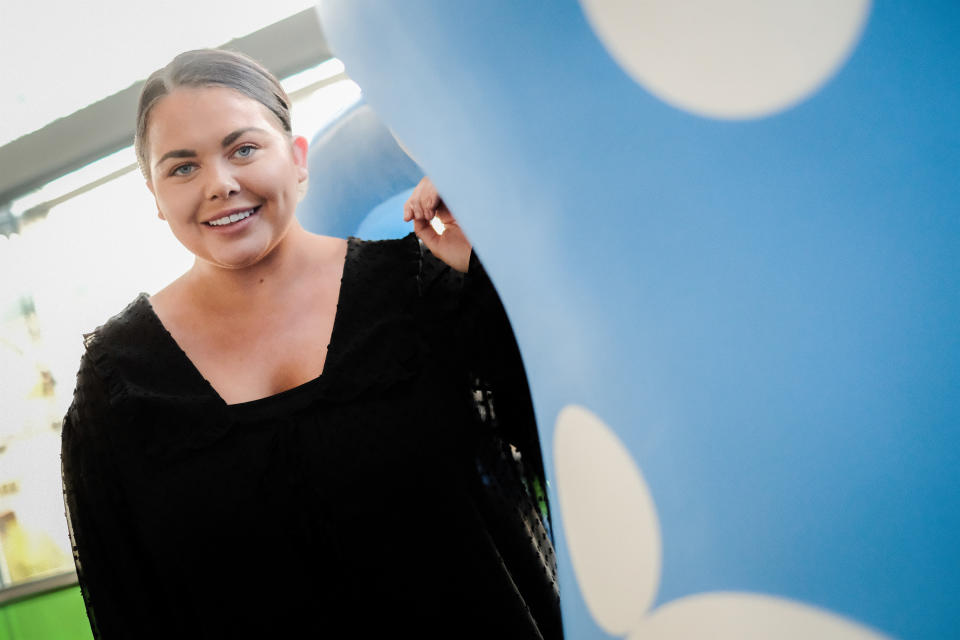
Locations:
{"points": [[232, 217]]}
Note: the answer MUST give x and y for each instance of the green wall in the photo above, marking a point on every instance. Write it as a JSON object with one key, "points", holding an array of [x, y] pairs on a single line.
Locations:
{"points": [[55, 615]]}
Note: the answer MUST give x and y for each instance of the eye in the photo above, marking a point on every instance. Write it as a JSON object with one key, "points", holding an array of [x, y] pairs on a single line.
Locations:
{"points": [[244, 151], [182, 170]]}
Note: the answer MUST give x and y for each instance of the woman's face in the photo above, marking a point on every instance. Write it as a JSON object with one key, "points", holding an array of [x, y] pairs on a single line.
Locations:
{"points": [[224, 175]]}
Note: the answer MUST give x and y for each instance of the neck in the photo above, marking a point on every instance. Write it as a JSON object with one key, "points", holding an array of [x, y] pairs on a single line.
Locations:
{"points": [[248, 288]]}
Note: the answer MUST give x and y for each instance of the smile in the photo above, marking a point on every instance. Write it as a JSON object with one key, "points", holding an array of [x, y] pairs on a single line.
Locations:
{"points": [[237, 216]]}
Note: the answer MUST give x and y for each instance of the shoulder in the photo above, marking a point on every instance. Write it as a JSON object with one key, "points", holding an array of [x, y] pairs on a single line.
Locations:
{"points": [[388, 266], [122, 328], [384, 253], [122, 332], [379, 292], [97, 385], [408, 256], [133, 354]]}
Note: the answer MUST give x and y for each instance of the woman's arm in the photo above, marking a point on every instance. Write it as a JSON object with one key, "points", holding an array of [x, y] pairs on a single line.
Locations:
{"points": [[119, 589], [467, 308], [472, 330]]}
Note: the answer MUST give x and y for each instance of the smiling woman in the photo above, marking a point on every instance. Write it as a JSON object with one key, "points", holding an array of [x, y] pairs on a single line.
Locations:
{"points": [[241, 174], [283, 415]]}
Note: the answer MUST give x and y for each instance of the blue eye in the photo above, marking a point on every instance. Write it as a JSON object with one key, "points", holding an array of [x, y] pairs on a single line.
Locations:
{"points": [[182, 170], [245, 151]]}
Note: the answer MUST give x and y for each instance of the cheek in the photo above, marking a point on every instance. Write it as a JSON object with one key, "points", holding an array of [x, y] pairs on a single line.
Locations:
{"points": [[176, 204], [278, 182]]}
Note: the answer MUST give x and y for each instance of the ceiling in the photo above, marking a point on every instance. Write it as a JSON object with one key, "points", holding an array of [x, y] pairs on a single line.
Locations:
{"points": [[69, 54], [80, 66]]}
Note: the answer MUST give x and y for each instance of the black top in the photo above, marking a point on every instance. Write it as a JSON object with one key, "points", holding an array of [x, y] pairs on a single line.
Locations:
{"points": [[383, 496]]}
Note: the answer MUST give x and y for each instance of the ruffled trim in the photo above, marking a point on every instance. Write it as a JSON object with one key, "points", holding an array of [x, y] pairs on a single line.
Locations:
{"points": [[97, 353], [150, 381]]}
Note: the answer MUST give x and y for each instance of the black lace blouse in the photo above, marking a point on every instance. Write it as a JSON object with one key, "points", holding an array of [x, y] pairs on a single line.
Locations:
{"points": [[399, 491]]}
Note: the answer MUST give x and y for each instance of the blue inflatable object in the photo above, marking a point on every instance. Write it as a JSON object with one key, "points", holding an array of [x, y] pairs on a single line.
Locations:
{"points": [[359, 179], [728, 239]]}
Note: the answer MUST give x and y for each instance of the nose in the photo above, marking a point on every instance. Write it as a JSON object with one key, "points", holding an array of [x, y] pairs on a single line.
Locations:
{"points": [[221, 183]]}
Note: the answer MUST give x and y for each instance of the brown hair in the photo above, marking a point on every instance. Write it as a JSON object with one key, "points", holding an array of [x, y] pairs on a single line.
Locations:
{"points": [[204, 68]]}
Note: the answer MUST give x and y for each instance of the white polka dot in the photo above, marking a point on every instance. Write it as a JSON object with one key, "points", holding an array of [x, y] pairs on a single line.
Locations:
{"points": [[609, 519], [729, 58], [613, 536], [745, 616]]}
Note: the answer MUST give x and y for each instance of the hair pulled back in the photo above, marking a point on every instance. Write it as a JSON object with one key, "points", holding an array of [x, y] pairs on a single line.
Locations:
{"points": [[206, 68]]}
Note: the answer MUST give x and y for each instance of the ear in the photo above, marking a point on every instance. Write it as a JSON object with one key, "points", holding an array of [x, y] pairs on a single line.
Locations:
{"points": [[299, 148], [154, 193]]}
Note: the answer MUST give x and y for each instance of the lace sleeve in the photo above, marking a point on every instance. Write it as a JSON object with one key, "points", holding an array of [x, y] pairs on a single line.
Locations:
{"points": [[118, 590], [487, 351], [501, 389], [510, 492]]}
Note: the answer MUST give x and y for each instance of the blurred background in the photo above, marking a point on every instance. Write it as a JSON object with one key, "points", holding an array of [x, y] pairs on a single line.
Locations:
{"points": [[69, 191]]}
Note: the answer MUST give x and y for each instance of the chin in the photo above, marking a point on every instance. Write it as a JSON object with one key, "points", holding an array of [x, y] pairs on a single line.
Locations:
{"points": [[238, 257], [235, 261]]}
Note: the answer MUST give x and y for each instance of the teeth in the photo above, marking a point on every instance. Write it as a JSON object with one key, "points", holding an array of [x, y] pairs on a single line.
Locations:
{"points": [[233, 217]]}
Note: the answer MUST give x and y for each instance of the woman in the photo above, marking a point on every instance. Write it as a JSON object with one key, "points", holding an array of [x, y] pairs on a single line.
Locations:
{"points": [[301, 435]]}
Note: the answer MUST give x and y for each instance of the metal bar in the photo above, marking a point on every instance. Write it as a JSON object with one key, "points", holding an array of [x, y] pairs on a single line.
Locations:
{"points": [[37, 587]]}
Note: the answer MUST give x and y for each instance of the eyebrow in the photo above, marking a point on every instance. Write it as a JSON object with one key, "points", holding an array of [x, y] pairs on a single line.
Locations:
{"points": [[176, 153], [190, 153], [231, 137]]}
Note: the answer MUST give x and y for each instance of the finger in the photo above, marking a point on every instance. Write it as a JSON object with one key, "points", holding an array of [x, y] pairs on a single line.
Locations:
{"points": [[414, 200], [425, 189], [407, 211], [427, 206], [416, 210], [425, 232], [429, 199]]}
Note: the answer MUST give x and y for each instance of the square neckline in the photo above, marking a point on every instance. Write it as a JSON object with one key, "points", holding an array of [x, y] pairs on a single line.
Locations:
{"points": [[280, 395]]}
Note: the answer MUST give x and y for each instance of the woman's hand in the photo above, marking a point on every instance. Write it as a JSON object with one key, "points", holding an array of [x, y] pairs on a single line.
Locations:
{"points": [[423, 206]]}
